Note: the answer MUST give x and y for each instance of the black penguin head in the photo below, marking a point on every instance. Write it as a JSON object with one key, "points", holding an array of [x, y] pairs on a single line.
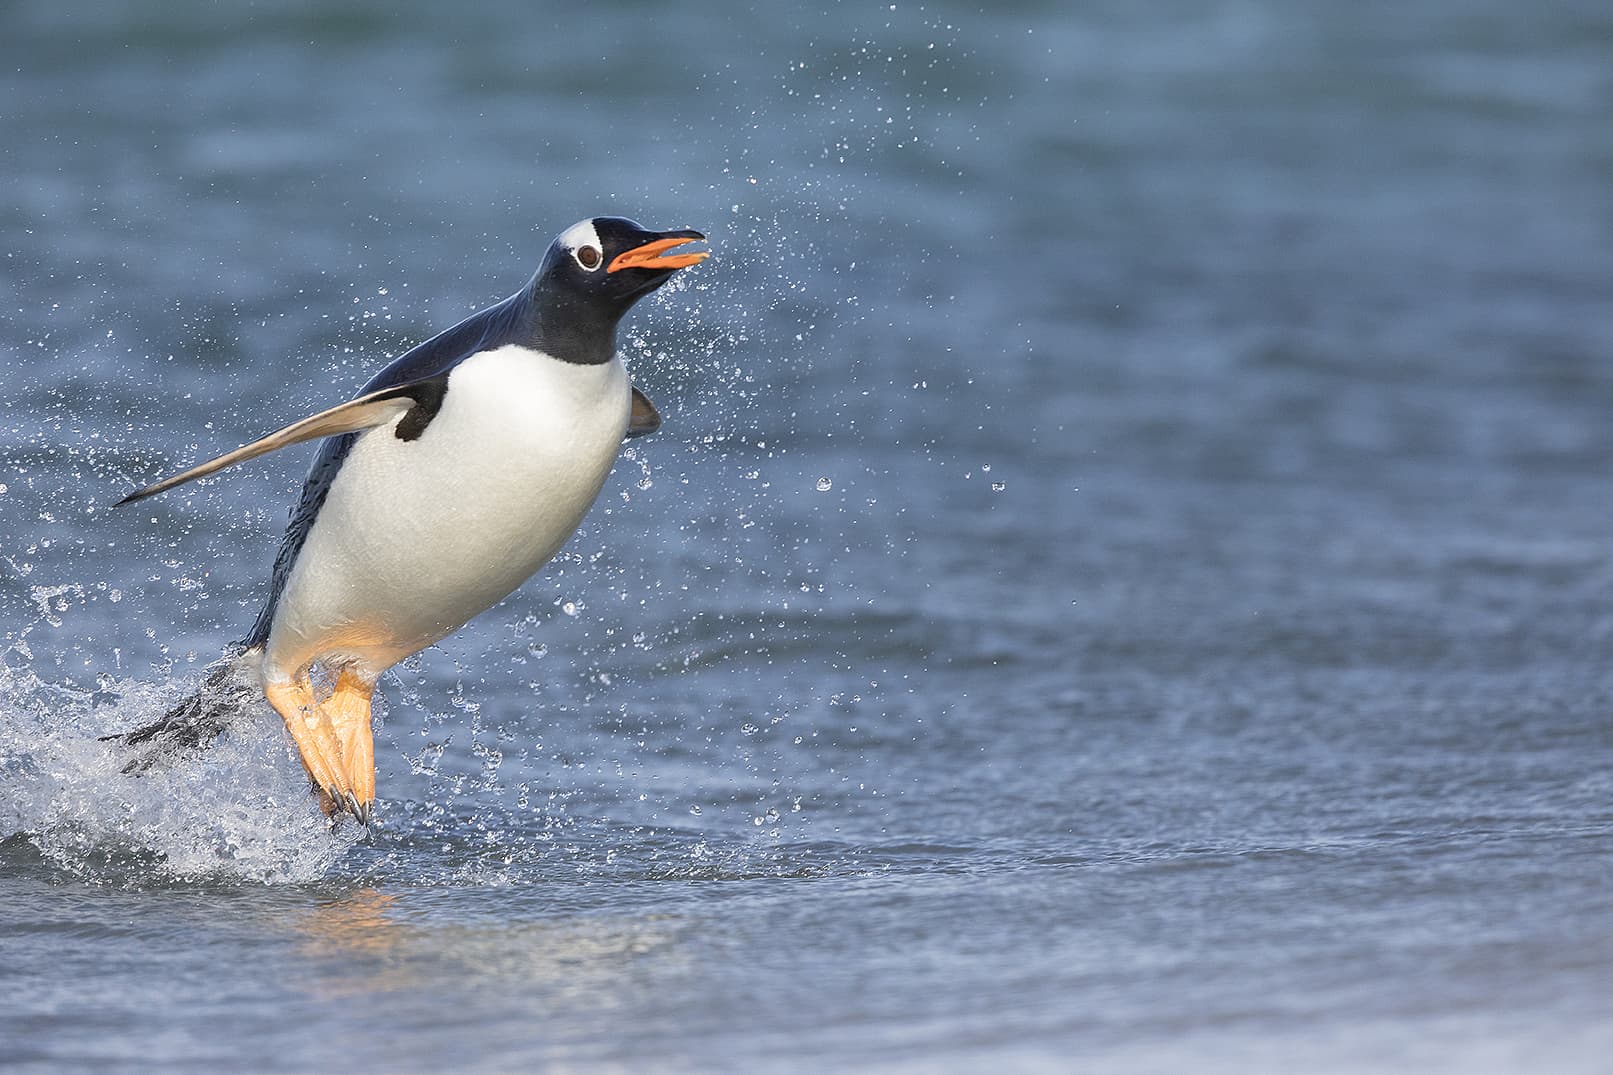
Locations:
{"points": [[594, 272]]}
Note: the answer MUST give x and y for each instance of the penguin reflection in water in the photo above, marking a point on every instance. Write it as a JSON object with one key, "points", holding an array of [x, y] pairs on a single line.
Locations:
{"points": [[456, 473]]}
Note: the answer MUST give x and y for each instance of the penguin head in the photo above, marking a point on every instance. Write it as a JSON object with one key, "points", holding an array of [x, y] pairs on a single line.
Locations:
{"points": [[593, 273], [615, 261]]}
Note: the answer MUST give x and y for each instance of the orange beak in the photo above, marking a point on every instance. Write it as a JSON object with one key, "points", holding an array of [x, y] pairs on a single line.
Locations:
{"points": [[652, 256]]}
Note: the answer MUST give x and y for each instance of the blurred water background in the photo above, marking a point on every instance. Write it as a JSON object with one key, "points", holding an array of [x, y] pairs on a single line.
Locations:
{"points": [[1124, 582]]}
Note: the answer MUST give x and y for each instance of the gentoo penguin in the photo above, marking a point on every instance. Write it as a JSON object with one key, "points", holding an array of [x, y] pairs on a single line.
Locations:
{"points": [[456, 473]]}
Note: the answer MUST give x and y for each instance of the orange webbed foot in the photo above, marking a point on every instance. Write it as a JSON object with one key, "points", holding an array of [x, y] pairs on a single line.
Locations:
{"points": [[334, 738]]}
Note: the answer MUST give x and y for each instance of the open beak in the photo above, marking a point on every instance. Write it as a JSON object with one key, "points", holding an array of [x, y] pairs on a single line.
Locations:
{"points": [[653, 254]]}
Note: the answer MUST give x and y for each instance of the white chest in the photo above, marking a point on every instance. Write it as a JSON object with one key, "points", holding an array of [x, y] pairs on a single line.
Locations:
{"points": [[520, 437], [416, 537]]}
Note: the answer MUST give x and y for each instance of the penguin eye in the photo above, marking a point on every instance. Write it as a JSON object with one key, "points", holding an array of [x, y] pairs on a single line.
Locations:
{"points": [[588, 257]]}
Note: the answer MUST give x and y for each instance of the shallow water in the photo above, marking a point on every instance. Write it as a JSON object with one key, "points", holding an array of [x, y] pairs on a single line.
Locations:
{"points": [[1123, 582]]}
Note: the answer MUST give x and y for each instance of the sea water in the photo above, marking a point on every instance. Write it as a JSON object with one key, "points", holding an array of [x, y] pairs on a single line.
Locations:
{"points": [[1123, 582]]}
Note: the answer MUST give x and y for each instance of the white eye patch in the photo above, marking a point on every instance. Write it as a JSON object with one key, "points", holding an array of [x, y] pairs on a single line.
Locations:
{"points": [[579, 235]]}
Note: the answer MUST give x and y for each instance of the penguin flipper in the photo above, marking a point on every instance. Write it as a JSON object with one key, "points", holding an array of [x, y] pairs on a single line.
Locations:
{"points": [[365, 412], [645, 418]]}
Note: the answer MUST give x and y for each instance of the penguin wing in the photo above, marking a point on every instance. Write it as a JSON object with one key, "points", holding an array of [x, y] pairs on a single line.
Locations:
{"points": [[645, 419], [367, 411]]}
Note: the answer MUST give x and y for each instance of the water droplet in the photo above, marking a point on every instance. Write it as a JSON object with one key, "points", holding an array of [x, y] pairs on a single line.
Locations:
{"points": [[824, 485], [695, 810], [998, 487]]}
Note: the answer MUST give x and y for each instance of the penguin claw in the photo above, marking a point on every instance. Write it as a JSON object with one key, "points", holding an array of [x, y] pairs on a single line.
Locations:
{"points": [[334, 803], [360, 811]]}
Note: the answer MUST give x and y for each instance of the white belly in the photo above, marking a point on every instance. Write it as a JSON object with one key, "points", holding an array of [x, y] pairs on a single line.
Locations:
{"points": [[417, 537]]}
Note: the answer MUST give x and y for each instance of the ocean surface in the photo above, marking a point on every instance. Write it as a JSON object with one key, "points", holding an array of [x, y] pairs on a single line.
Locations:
{"points": [[1124, 583]]}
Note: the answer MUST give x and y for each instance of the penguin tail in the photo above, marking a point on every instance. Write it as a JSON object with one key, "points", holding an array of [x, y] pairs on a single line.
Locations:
{"points": [[226, 693]]}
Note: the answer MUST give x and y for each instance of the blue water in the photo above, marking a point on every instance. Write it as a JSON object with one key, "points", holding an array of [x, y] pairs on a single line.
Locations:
{"points": [[1124, 582]]}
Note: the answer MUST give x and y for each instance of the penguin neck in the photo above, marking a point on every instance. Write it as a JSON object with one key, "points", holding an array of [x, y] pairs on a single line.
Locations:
{"points": [[572, 330]]}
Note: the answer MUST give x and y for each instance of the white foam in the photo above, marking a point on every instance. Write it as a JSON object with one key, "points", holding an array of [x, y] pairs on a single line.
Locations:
{"points": [[239, 810]]}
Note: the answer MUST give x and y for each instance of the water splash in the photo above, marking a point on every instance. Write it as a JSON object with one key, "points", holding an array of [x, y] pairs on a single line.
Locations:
{"points": [[238, 811]]}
